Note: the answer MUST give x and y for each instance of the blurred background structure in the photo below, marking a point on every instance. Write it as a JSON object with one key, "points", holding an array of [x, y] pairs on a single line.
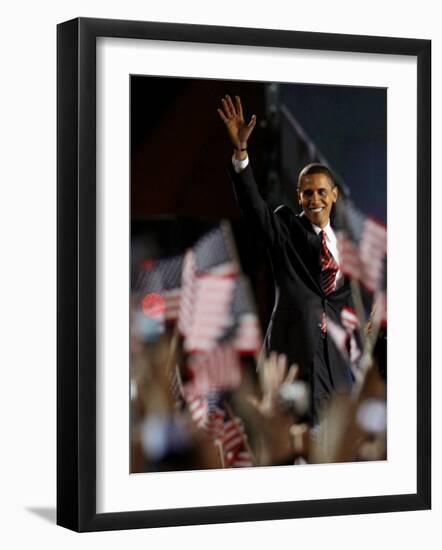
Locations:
{"points": [[202, 290]]}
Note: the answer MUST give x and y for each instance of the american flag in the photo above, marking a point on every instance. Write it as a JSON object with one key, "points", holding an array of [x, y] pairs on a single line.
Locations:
{"points": [[216, 370], [233, 436], [158, 286], [208, 283], [242, 459], [339, 336], [351, 323], [204, 313], [234, 444], [228, 433], [215, 423], [185, 316], [379, 307], [344, 337], [248, 338], [215, 252], [349, 319], [198, 407], [362, 246], [207, 414]]}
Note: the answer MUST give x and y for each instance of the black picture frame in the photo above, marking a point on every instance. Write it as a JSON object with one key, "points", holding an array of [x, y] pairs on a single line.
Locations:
{"points": [[77, 288]]}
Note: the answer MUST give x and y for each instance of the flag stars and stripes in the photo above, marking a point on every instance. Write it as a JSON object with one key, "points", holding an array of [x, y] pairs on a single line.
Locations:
{"points": [[216, 370], [362, 248], [163, 278]]}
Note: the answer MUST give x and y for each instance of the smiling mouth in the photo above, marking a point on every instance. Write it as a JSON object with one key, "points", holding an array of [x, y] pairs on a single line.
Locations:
{"points": [[316, 210]]}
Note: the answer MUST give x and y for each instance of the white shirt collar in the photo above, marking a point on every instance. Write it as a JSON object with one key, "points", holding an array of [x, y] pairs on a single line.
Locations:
{"points": [[328, 230]]}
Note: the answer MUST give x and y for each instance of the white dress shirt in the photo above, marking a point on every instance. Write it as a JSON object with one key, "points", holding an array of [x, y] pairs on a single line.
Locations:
{"points": [[239, 165]]}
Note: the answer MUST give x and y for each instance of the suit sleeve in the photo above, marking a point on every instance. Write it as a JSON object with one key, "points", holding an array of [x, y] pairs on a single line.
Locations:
{"points": [[255, 210]]}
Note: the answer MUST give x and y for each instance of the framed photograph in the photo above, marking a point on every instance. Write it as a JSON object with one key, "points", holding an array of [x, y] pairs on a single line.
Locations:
{"points": [[243, 274]]}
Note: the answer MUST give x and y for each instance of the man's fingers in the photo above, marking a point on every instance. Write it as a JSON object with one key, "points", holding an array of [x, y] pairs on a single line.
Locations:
{"points": [[230, 104], [282, 361], [239, 106], [222, 116], [272, 361], [253, 401], [252, 122], [291, 375], [281, 368], [227, 111]]}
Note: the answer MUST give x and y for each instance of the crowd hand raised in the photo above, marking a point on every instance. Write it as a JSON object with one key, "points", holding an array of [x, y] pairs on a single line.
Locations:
{"points": [[272, 375], [232, 116]]}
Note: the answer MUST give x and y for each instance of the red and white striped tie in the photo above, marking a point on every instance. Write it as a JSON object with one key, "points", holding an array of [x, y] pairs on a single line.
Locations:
{"points": [[329, 269]]}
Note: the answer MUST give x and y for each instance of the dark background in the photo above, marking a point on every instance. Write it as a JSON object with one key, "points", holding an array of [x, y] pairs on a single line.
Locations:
{"points": [[180, 151]]}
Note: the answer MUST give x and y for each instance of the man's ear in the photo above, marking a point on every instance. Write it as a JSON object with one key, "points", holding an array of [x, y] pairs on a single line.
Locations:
{"points": [[335, 193]]}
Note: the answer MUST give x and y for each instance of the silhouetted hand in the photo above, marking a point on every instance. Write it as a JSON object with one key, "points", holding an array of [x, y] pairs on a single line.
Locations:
{"points": [[232, 116], [272, 375]]}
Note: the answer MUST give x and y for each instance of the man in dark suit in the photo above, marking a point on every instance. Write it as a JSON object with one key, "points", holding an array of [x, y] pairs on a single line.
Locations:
{"points": [[309, 287]]}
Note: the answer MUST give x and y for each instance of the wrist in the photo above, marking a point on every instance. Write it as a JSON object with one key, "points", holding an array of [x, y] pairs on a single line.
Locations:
{"points": [[240, 154]]}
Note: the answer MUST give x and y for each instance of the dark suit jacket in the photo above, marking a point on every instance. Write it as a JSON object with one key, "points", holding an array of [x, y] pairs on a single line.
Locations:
{"points": [[294, 249]]}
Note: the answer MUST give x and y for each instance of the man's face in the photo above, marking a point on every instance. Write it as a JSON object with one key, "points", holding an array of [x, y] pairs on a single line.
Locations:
{"points": [[316, 195]]}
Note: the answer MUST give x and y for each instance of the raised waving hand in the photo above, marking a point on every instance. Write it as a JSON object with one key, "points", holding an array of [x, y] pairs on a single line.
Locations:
{"points": [[238, 129]]}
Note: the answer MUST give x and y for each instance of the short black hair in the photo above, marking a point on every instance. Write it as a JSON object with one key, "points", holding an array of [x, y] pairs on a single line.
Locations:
{"points": [[315, 168]]}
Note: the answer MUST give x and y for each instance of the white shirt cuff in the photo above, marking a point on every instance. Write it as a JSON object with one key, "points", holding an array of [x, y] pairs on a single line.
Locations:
{"points": [[239, 165]]}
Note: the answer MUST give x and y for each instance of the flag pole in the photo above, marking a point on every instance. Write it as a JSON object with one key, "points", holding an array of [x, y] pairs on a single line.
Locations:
{"points": [[173, 371], [219, 445], [367, 356], [172, 348]]}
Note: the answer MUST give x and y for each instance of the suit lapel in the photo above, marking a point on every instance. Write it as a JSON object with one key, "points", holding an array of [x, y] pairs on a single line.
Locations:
{"points": [[314, 250]]}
